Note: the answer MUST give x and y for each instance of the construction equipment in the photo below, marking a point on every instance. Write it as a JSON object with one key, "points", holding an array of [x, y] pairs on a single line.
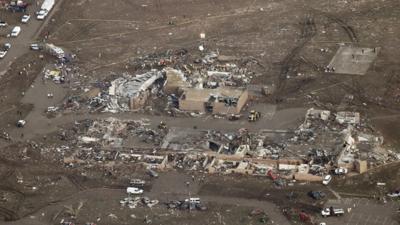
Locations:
{"points": [[254, 116], [162, 125]]}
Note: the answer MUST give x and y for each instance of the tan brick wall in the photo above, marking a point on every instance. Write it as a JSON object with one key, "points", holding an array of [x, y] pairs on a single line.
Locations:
{"points": [[242, 101], [196, 106]]}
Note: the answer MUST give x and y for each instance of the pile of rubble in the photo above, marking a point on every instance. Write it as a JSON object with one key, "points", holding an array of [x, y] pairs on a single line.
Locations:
{"points": [[131, 92], [113, 132], [187, 204], [134, 202], [167, 75], [324, 142]]}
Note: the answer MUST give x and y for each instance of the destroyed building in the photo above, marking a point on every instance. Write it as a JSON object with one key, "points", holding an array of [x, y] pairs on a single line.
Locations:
{"points": [[221, 100], [131, 92], [348, 117], [54, 50], [175, 81]]}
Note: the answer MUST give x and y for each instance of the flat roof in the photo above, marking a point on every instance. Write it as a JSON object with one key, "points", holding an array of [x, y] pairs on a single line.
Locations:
{"points": [[196, 94]]}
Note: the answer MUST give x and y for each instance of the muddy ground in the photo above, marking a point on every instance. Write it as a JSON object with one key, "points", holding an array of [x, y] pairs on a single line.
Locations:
{"points": [[284, 36]]}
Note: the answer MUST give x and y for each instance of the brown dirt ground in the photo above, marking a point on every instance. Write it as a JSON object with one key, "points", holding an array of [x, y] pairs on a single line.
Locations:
{"points": [[121, 29]]}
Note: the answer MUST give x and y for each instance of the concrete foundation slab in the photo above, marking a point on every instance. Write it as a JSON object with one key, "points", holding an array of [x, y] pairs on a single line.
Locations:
{"points": [[353, 60]]}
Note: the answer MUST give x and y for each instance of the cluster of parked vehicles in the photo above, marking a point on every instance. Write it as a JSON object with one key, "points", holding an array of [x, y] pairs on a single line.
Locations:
{"points": [[4, 49], [338, 171], [21, 6]]}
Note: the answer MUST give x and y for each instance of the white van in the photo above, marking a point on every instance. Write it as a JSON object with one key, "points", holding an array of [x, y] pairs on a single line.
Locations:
{"points": [[15, 31]]}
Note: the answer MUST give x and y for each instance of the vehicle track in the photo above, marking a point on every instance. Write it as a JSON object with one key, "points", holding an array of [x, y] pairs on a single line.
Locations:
{"points": [[7, 174], [346, 27], [84, 30], [73, 179], [308, 31], [8, 214]]}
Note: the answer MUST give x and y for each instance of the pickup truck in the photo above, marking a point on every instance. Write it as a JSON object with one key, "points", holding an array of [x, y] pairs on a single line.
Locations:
{"points": [[330, 211]]}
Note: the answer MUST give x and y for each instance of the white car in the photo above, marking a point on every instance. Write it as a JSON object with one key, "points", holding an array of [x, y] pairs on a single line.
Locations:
{"points": [[341, 171], [15, 31], [3, 23], [327, 180], [3, 54], [25, 18], [35, 47], [41, 14], [134, 190], [394, 194], [21, 123]]}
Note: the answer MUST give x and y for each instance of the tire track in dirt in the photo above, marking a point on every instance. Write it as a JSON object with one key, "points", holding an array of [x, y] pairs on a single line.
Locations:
{"points": [[308, 31], [8, 214], [346, 27]]}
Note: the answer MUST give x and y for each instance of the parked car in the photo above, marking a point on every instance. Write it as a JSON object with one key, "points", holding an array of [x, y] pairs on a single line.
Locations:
{"points": [[327, 179], [25, 18], [21, 123], [193, 200], [330, 211], [4, 49], [317, 195], [3, 23], [35, 47], [15, 31], [3, 54], [134, 190], [6, 46], [341, 171], [52, 109], [233, 117], [137, 182], [152, 173], [394, 194], [40, 15]]}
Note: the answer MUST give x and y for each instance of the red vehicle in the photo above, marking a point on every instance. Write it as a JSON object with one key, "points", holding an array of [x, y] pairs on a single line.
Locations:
{"points": [[272, 175], [17, 6]]}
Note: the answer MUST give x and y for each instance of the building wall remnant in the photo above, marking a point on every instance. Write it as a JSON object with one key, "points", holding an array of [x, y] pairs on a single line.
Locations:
{"points": [[216, 101]]}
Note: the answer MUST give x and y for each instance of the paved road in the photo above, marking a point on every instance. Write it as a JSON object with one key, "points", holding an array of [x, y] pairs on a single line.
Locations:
{"points": [[28, 35], [170, 186], [364, 212], [167, 187], [38, 124]]}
